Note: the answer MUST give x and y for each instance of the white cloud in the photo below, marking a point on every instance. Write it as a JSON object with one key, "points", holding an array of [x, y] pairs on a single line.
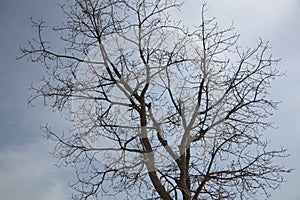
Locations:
{"points": [[252, 18], [27, 172]]}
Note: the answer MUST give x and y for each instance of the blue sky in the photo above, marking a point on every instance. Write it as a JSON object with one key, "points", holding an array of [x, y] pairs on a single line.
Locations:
{"points": [[27, 170]]}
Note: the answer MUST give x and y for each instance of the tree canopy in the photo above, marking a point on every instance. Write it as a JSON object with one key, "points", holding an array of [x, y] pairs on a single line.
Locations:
{"points": [[160, 110]]}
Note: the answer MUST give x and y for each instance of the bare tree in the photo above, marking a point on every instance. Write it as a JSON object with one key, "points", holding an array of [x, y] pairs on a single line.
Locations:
{"points": [[159, 111]]}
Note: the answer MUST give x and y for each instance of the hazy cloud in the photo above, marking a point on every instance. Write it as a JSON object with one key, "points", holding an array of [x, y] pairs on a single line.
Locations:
{"points": [[27, 173]]}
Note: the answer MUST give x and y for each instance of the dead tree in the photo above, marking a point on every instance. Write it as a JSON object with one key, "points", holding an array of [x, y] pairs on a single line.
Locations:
{"points": [[160, 111]]}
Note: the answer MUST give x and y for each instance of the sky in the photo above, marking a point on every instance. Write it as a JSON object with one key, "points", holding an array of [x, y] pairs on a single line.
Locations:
{"points": [[28, 171]]}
